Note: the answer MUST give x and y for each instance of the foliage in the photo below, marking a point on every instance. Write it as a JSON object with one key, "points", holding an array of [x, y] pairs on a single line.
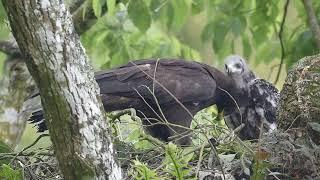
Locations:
{"points": [[176, 162], [133, 33], [4, 148], [4, 32], [136, 29], [139, 15], [260, 166], [151, 28], [142, 171], [6, 172]]}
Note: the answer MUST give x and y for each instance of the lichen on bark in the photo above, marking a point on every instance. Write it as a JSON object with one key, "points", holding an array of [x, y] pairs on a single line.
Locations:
{"points": [[299, 108], [16, 84], [69, 94]]}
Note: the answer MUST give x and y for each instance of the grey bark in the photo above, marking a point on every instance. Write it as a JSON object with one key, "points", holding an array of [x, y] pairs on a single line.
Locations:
{"points": [[299, 109], [17, 82], [288, 155], [296, 147], [13, 91], [313, 22], [69, 94]]}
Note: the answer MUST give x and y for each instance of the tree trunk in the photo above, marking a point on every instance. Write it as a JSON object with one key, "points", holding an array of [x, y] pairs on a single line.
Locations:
{"points": [[299, 109], [69, 94], [16, 85], [295, 148]]}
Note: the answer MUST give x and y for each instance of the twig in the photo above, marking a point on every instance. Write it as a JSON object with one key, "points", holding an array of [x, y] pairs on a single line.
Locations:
{"points": [[235, 102], [214, 149], [281, 40], [145, 101], [152, 140], [81, 23], [154, 75], [157, 103], [75, 4], [9, 48], [207, 145], [35, 142], [26, 154], [31, 173], [160, 6], [148, 104], [200, 160], [123, 112], [291, 124]]}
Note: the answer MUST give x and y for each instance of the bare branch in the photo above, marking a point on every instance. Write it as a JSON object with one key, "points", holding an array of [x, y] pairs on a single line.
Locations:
{"points": [[313, 22], [9, 47], [75, 4], [281, 39]]}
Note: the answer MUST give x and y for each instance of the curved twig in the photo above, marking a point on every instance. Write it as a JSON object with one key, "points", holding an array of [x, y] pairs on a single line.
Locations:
{"points": [[281, 39]]}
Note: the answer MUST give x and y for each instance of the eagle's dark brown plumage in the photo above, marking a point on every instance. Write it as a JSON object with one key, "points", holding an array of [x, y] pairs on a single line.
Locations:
{"points": [[169, 83]]}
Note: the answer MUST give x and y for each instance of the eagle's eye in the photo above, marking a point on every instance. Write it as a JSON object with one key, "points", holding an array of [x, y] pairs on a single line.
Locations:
{"points": [[238, 65]]}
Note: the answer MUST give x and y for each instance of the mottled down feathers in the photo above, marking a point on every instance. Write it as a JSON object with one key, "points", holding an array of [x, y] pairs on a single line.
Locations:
{"points": [[259, 111]]}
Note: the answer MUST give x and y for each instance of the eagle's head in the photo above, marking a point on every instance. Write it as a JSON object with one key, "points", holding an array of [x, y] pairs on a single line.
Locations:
{"points": [[237, 69], [235, 65]]}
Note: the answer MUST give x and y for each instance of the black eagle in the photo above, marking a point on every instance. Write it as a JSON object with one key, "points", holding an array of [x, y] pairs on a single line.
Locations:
{"points": [[162, 90], [263, 98]]}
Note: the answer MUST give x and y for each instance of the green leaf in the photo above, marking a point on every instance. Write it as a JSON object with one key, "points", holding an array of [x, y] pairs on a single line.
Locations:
{"points": [[246, 46], [175, 163], [189, 53], [85, 8], [226, 158], [111, 4], [315, 126], [207, 32], [260, 35], [197, 6], [170, 15], [96, 6], [139, 14], [303, 45], [142, 171], [4, 148], [159, 10], [268, 51], [238, 25], [180, 13], [3, 15], [220, 32], [259, 170], [6, 172]]}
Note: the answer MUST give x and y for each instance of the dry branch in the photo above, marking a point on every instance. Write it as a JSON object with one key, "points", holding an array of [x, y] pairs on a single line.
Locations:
{"points": [[313, 21]]}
